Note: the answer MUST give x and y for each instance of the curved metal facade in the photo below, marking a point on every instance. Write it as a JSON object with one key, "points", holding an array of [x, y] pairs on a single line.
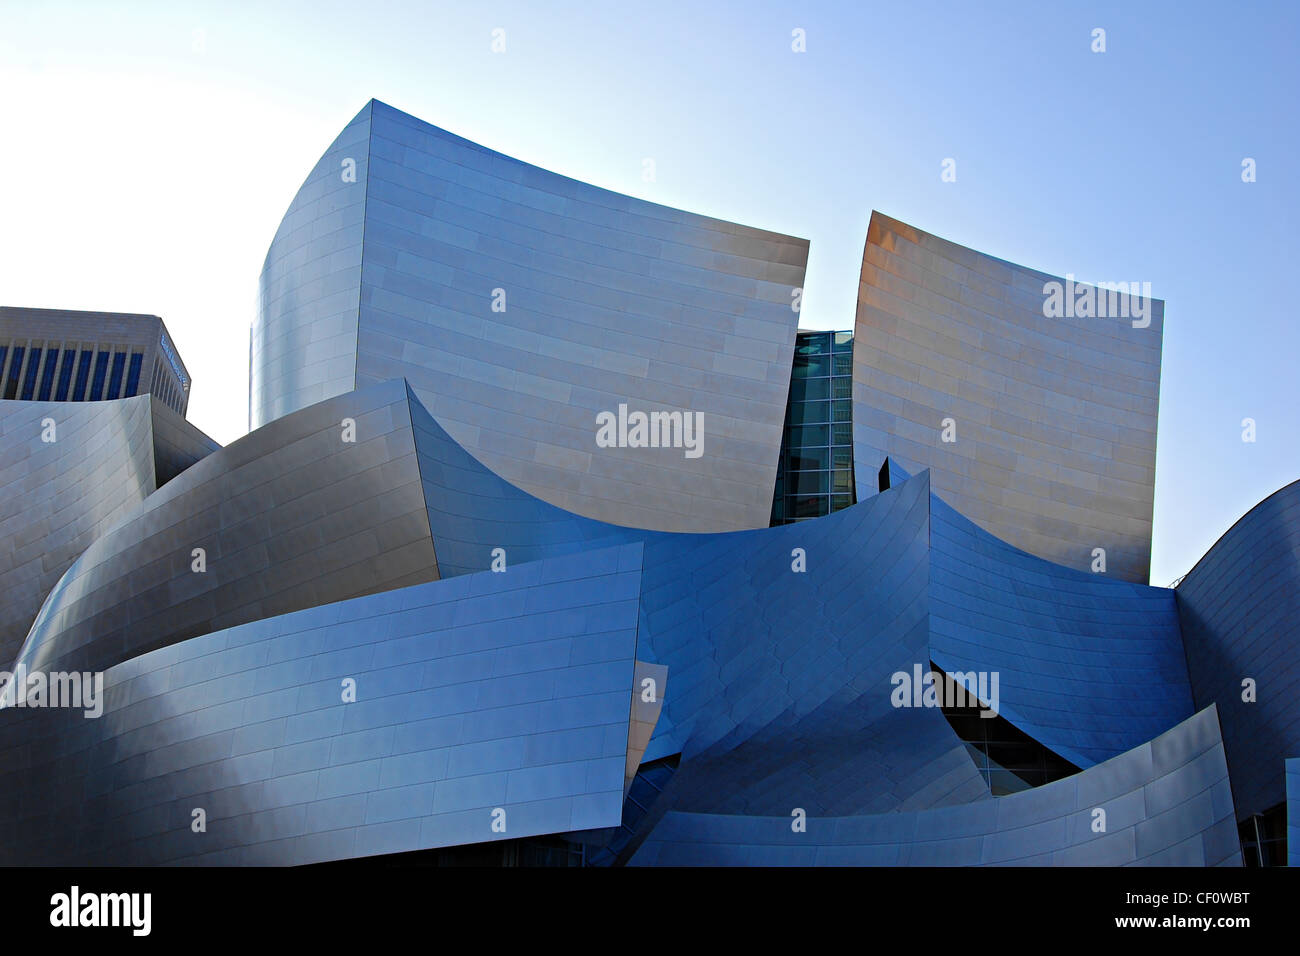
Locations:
{"points": [[752, 707], [492, 692], [778, 691], [770, 665], [1166, 802], [750, 704], [1054, 418], [68, 472], [521, 305], [1089, 666], [288, 517], [302, 346], [427, 595], [176, 444], [473, 512], [1240, 613]]}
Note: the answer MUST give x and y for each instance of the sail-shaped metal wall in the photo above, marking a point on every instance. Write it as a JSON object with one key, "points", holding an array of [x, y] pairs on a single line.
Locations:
{"points": [[521, 304], [1039, 428], [68, 472]]}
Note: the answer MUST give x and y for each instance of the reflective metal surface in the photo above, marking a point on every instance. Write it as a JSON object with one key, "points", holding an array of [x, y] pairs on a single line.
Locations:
{"points": [[1240, 613], [291, 516], [1167, 803], [1053, 439], [521, 304], [68, 472], [485, 707], [1089, 666], [419, 606]]}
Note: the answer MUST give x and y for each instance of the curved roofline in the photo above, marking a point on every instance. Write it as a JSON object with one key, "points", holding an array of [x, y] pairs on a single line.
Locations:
{"points": [[770, 233], [979, 252], [1244, 515]]}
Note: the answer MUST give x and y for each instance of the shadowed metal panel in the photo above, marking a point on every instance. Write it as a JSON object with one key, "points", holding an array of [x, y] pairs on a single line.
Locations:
{"points": [[773, 667], [473, 511], [1055, 418], [781, 687], [176, 444], [503, 691], [1167, 803], [521, 304], [289, 517], [769, 664], [56, 497], [1088, 666], [648, 689], [764, 652], [1240, 612]]}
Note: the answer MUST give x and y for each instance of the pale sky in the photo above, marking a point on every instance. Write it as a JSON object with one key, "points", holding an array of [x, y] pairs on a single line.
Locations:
{"points": [[148, 152]]}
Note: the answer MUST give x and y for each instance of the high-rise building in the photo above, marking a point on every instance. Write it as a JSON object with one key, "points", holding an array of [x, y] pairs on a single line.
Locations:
{"points": [[63, 356]]}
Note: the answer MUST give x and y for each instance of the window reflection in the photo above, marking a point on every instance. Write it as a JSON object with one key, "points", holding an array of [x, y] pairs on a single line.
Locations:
{"points": [[815, 471]]}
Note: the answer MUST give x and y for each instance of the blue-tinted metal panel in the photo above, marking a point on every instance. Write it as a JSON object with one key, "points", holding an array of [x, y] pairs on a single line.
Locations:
{"points": [[762, 650], [1240, 613], [1167, 802], [1089, 666], [771, 665], [325, 774]]}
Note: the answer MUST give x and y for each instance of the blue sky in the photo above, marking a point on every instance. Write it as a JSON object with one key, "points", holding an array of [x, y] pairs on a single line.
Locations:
{"points": [[149, 151]]}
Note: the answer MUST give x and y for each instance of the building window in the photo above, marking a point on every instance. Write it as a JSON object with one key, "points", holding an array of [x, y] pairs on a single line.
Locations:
{"points": [[29, 380], [15, 369], [115, 380], [133, 376], [97, 383], [83, 374], [65, 375], [47, 377], [1263, 837], [815, 471], [1007, 758]]}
